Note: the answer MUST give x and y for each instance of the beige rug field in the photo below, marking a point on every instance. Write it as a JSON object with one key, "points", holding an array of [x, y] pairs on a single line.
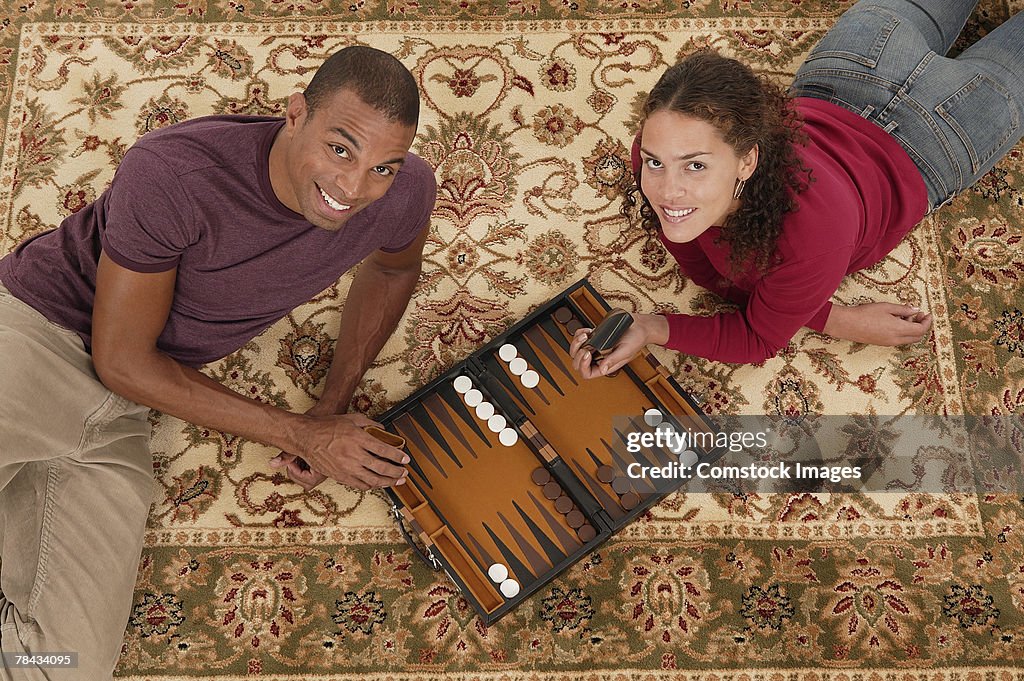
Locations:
{"points": [[528, 111]]}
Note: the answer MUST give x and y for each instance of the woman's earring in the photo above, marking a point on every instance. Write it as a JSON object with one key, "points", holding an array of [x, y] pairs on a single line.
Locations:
{"points": [[740, 184]]}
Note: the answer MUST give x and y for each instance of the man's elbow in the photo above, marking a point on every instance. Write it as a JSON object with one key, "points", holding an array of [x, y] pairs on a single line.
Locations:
{"points": [[406, 276], [107, 368], [410, 270], [116, 368]]}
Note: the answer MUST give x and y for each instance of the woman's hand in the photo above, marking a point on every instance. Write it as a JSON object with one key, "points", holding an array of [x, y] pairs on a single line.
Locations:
{"points": [[878, 323], [646, 329]]}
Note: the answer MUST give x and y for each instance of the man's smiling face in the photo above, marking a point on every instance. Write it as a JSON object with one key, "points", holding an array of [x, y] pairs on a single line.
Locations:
{"points": [[330, 163]]}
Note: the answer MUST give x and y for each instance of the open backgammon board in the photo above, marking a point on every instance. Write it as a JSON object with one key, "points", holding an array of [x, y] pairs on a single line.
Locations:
{"points": [[518, 465]]}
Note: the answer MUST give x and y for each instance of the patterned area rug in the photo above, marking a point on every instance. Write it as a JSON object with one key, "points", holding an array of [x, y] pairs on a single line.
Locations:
{"points": [[529, 106]]}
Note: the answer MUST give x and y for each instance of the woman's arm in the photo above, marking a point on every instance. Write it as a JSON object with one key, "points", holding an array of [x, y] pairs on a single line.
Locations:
{"points": [[783, 301], [878, 323]]}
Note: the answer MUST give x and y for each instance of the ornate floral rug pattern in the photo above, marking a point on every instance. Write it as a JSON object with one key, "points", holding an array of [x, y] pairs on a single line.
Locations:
{"points": [[528, 108]]}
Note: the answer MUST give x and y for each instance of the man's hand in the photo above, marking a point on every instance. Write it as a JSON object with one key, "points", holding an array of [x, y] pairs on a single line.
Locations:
{"points": [[297, 468], [878, 323], [646, 328], [337, 447]]}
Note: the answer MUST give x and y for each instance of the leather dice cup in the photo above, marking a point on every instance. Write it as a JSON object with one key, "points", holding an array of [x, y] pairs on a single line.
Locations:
{"points": [[606, 334], [387, 438]]}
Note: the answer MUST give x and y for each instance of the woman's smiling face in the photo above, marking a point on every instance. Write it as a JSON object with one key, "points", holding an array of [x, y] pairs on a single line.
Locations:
{"points": [[689, 173]]}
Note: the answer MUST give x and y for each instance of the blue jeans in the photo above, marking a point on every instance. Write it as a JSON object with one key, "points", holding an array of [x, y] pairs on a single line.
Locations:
{"points": [[885, 61]]}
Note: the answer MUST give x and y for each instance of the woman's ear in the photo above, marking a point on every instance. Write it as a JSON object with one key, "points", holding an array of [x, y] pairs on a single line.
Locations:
{"points": [[748, 164]]}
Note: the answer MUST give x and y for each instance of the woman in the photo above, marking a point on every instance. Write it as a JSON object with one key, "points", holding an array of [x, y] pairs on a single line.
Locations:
{"points": [[770, 200]]}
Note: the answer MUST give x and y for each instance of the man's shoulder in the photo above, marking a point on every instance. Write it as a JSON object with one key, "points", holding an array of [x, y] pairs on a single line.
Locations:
{"points": [[415, 181], [208, 141], [210, 126], [417, 170]]}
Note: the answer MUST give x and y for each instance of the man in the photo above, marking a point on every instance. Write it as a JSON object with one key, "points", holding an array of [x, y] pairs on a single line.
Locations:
{"points": [[211, 230]]}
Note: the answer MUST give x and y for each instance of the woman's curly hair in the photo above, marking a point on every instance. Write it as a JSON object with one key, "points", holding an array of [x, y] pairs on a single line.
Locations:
{"points": [[746, 109]]}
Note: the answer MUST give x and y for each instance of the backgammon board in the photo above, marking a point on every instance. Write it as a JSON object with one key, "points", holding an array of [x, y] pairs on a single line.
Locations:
{"points": [[518, 465]]}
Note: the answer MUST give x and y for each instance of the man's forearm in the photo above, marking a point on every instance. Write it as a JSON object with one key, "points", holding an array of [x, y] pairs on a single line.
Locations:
{"points": [[374, 305], [157, 381], [335, 447]]}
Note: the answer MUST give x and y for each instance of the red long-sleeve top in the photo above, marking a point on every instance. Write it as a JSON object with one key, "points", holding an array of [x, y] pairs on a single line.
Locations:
{"points": [[866, 195]]}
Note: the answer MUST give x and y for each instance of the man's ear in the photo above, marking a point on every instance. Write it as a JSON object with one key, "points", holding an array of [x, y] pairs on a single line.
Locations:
{"points": [[748, 164], [297, 111]]}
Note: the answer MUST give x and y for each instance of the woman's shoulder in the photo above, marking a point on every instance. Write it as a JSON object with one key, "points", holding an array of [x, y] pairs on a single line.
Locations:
{"points": [[828, 219]]}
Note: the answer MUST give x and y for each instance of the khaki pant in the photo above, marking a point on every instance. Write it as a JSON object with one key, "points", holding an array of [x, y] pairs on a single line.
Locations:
{"points": [[76, 482]]}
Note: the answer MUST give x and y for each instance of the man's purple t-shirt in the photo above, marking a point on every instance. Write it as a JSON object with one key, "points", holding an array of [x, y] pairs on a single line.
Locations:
{"points": [[197, 196]]}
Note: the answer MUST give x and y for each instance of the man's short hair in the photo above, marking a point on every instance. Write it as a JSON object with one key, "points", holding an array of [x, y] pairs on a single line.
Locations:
{"points": [[377, 77]]}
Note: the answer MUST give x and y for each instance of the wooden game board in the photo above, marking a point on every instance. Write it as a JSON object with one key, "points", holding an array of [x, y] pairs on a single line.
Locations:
{"points": [[536, 505]]}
